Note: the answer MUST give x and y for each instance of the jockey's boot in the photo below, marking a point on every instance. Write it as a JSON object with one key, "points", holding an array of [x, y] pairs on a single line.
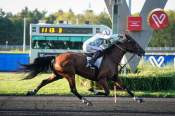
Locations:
{"points": [[94, 58]]}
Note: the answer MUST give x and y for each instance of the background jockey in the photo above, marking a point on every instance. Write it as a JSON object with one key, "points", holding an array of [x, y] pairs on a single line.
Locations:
{"points": [[97, 44]]}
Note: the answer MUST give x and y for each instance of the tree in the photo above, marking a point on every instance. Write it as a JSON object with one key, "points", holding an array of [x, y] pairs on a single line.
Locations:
{"points": [[36, 15], [60, 16], [103, 18], [80, 19], [50, 19], [6, 30], [11, 26], [90, 16], [2, 13], [70, 17]]}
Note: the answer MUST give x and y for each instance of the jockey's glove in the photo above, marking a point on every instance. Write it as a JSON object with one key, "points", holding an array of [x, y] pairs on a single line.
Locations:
{"points": [[104, 46]]}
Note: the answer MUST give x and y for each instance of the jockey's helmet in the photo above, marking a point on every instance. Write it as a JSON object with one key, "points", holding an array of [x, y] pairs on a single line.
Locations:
{"points": [[106, 32], [115, 37]]}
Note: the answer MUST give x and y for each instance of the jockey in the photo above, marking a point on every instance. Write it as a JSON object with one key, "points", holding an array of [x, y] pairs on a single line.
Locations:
{"points": [[96, 45]]}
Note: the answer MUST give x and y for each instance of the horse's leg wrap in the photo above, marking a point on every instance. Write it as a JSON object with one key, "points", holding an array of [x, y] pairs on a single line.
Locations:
{"points": [[32, 92], [137, 99], [83, 100]]}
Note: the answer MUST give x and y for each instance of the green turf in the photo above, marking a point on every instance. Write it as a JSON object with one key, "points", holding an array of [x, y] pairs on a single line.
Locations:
{"points": [[11, 84]]}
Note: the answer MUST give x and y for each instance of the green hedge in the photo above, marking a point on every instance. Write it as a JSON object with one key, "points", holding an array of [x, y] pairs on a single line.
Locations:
{"points": [[150, 84], [149, 78]]}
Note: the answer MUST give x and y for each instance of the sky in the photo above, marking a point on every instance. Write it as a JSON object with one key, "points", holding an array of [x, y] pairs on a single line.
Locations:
{"points": [[78, 6]]}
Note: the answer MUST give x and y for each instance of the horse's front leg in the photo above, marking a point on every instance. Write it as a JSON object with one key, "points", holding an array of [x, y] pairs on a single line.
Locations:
{"points": [[104, 84], [71, 80], [122, 86]]}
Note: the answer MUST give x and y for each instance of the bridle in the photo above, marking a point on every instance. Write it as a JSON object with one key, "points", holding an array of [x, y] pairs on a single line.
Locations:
{"points": [[122, 49]]}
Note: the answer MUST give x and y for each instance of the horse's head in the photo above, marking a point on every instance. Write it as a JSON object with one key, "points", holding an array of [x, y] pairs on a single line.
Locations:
{"points": [[130, 45]]}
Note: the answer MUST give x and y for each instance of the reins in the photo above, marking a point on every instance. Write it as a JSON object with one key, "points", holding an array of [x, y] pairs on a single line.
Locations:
{"points": [[126, 63], [122, 67]]}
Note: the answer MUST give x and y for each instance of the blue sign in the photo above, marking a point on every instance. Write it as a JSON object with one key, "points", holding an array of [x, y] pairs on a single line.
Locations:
{"points": [[11, 62], [160, 60]]}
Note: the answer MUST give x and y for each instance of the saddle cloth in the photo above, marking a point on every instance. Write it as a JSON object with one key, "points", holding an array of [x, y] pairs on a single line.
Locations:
{"points": [[97, 62]]}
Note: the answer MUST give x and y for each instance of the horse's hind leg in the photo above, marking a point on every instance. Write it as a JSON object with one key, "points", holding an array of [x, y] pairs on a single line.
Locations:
{"points": [[44, 82], [71, 80]]}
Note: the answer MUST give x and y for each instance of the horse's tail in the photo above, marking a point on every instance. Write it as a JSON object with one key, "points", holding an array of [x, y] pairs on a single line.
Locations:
{"points": [[40, 64]]}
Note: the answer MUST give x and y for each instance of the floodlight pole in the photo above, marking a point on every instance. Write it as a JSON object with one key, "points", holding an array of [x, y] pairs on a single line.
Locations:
{"points": [[129, 4], [24, 35], [115, 17]]}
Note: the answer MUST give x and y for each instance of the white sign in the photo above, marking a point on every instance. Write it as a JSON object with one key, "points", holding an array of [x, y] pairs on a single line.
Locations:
{"points": [[158, 19], [174, 62], [156, 62]]}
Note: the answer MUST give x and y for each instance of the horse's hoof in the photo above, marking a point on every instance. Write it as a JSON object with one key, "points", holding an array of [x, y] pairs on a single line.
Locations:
{"points": [[89, 104], [139, 100], [85, 101], [30, 93]]}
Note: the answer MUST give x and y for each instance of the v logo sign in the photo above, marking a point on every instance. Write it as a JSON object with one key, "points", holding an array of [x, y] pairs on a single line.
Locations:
{"points": [[156, 62], [158, 19]]}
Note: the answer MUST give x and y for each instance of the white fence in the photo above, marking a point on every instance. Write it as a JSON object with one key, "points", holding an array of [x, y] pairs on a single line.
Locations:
{"points": [[12, 47], [148, 49]]}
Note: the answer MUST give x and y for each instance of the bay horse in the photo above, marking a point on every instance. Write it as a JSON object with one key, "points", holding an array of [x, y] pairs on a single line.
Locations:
{"points": [[67, 64]]}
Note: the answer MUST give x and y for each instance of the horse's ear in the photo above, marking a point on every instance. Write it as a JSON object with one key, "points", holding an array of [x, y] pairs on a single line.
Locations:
{"points": [[127, 36]]}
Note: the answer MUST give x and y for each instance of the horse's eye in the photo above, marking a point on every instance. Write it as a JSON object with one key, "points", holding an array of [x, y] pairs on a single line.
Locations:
{"points": [[129, 41]]}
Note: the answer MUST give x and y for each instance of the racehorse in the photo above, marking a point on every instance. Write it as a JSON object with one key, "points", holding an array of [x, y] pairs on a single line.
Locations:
{"points": [[67, 64]]}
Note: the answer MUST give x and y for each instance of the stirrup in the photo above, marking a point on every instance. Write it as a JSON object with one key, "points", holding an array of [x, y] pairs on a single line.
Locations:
{"points": [[90, 66]]}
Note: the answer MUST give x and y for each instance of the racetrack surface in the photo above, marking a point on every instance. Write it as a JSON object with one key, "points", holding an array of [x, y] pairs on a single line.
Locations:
{"points": [[71, 106]]}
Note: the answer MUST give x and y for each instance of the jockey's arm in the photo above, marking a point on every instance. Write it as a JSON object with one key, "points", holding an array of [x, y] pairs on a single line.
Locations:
{"points": [[95, 48]]}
